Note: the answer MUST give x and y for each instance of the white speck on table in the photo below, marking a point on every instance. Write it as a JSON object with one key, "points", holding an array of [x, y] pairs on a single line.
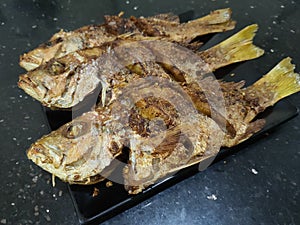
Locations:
{"points": [[212, 197], [254, 171]]}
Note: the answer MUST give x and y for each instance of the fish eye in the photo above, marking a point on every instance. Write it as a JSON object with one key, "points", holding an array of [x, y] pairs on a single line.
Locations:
{"points": [[75, 130], [57, 68]]}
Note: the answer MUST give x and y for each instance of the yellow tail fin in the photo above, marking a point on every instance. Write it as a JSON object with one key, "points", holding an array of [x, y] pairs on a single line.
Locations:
{"points": [[237, 48], [281, 80]]}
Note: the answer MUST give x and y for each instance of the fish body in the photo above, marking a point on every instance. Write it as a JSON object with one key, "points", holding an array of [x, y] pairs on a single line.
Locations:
{"points": [[74, 151], [163, 25]]}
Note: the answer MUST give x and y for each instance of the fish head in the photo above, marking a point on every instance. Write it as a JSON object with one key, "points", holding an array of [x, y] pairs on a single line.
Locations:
{"points": [[77, 152], [60, 83]]}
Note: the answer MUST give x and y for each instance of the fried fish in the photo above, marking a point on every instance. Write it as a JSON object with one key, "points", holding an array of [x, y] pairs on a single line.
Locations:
{"points": [[166, 26]]}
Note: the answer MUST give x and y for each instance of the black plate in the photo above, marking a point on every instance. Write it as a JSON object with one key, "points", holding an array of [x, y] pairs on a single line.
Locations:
{"points": [[114, 200]]}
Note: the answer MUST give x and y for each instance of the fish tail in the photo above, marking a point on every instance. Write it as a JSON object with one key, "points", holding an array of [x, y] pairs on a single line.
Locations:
{"points": [[236, 48], [281, 81]]}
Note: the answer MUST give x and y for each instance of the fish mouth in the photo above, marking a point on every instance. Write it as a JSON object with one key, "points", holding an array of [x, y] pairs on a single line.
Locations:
{"points": [[48, 160], [37, 91], [51, 161], [30, 61], [45, 157]]}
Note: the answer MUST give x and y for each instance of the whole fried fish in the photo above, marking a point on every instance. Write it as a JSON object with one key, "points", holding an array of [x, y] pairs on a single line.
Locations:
{"points": [[65, 82], [162, 25], [80, 150]]}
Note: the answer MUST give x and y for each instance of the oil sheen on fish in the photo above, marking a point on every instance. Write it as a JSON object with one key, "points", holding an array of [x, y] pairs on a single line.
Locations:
{"points": [[65, 82], [162, 25]]}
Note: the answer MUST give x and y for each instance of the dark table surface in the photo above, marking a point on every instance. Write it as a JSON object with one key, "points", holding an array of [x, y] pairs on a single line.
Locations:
{"points": [[272, 196]]}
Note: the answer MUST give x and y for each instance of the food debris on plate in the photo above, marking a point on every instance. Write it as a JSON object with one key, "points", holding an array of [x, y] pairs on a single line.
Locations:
{"points": [[95, 192]]}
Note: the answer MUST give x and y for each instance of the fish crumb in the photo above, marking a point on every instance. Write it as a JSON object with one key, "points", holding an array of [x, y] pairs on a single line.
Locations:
{"points": [[95, 192], [3, 221], [254, 171], [109, 184], [212, 197]]}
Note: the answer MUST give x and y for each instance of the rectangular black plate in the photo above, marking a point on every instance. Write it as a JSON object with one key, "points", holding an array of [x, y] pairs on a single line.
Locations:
{"points": [[114, 200]]}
